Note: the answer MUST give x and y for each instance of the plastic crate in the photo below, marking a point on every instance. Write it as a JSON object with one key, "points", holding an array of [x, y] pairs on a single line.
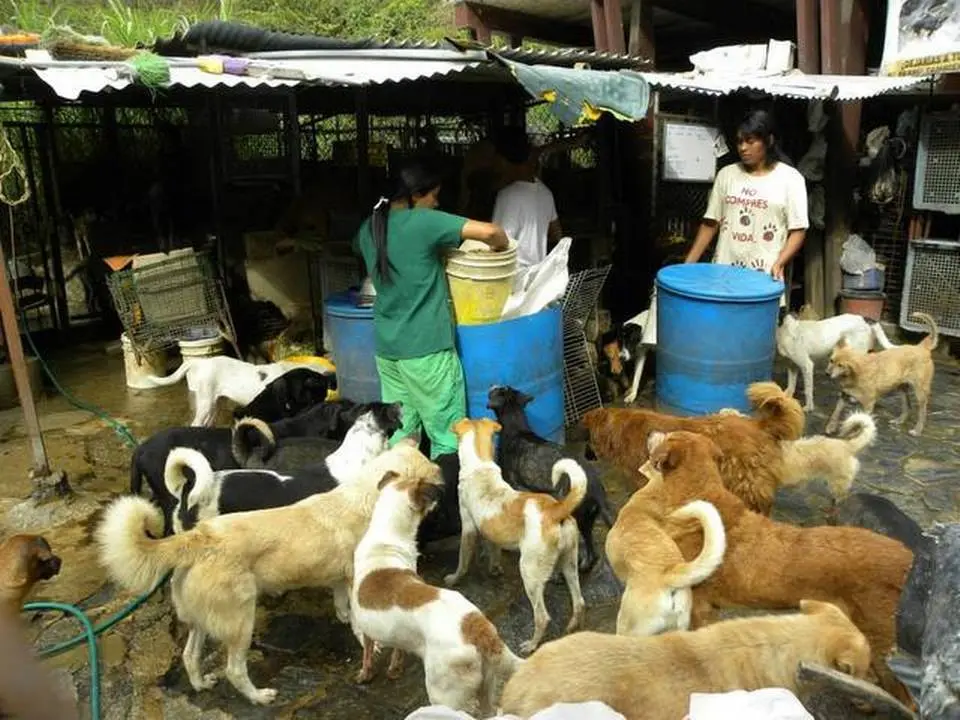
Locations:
{"points": [[931, 286]]}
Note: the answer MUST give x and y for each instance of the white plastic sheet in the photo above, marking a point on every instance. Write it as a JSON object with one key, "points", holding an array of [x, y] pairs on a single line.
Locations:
{"points": [[535, 287], [766, 704]]}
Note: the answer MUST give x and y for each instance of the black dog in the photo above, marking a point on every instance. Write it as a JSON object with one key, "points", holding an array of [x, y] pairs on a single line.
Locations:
{"points": [[255, 445], [330, 420], [289, 395], [526, 460], [878, 514], [259, 489], [617, 361]]}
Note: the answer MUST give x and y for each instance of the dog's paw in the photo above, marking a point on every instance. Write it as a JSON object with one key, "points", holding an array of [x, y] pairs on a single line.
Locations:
{"points": [[809, 408], [914, 432], [264, 696], [527, 647], [450, 580], [629, 398], [364, 676], [207, 682], [496, 570]]}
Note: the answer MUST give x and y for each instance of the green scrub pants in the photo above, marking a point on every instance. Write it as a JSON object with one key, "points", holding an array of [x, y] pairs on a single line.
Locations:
{"points": [[433, 394]]}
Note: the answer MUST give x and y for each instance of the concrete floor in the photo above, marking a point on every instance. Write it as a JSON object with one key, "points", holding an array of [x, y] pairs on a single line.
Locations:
{"points": [[300, 648]]}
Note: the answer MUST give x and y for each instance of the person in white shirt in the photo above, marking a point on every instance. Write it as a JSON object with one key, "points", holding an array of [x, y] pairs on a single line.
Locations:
{"points": [[525, 208]]}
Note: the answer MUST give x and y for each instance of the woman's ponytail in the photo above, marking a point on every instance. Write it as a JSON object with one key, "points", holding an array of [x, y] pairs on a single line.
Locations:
{"points": [[378, 228]]}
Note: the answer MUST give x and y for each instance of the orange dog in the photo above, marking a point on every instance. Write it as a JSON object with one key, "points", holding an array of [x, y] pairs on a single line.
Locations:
{"points": [[774, 565], [25, 560], [752, 466]]}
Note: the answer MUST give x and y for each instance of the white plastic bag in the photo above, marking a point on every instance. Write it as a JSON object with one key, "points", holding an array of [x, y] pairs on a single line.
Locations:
{"points": [[858, 256], [534, 288], [592, 710], [766, 704]]}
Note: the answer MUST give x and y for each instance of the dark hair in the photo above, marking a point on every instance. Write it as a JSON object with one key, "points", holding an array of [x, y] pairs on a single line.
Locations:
{"points": [[513, 145], [415, 177], [760, 124]]}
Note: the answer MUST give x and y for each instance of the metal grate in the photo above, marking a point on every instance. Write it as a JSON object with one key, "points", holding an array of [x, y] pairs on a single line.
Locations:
{"points": [[931, 285], [334, 269], [169, 301], [937, 185], [581, 392]]}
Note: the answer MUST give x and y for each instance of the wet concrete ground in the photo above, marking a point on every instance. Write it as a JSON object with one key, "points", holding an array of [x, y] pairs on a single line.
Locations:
{"points": [[300, 648]]}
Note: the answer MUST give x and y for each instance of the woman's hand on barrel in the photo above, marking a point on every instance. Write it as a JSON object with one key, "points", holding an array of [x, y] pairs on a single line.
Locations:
{"points": [[489, 233]]}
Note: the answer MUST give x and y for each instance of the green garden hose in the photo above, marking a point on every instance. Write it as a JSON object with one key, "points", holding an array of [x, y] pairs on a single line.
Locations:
{"points": [[89, 635]]}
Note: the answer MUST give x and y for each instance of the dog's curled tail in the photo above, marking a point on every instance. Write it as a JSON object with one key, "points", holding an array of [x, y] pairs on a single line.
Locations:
{"points": [[688, 574], [578, 487], [131, 547], [181, 459], [934, 336], [858, 431], [173, 379], [252, 442], [779, 414]]}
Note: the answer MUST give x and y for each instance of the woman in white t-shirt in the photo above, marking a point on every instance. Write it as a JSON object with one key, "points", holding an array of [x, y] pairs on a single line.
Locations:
{"points": [[757, 206]]}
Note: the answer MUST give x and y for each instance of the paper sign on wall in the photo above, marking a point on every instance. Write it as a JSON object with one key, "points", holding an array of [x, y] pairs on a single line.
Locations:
{"points": [[690, 152], [922, 37]]}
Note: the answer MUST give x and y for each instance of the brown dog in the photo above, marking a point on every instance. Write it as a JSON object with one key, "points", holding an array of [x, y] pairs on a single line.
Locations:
{"points": [[25, 560], [652, 678], [866, 377], [752, 465], [774, 565]]}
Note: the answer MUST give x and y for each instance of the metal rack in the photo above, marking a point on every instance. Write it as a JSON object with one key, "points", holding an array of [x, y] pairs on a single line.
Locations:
{"points": [[580, 390]]}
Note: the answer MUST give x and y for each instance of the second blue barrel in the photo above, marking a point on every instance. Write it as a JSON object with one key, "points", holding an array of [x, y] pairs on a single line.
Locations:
{"points": [[525, 353], [716, 334]]}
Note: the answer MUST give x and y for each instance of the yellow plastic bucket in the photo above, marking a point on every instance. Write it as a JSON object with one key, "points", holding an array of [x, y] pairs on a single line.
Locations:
{"points": [[480, 283]]}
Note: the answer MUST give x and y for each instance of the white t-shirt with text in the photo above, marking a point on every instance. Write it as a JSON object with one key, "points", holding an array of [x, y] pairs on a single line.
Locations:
{"points": [[756, 213], [525, 210]]}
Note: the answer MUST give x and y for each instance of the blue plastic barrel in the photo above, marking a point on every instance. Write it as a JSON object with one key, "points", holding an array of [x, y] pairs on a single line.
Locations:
{"points": [[716, 334], [525, 353]]}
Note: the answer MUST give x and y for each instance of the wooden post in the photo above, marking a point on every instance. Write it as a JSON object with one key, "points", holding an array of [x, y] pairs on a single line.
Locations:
{"points": [[641, 31], [808, 36], [363, 147], [613, 18], [598, 19], [52, 192]]}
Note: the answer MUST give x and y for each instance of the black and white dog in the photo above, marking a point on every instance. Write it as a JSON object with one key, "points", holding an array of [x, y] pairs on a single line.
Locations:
{"points": [[209, 493], [622, 358], [526, 460], [328, 420], [289, 395]]}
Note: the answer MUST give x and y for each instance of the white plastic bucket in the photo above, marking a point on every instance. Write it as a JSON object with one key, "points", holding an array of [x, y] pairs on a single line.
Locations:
{"points": [[207, 347], [137, 368], [480, 283]]}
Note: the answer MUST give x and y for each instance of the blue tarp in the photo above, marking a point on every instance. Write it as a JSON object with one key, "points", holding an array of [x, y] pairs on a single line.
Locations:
{"points": [[578, 96]]}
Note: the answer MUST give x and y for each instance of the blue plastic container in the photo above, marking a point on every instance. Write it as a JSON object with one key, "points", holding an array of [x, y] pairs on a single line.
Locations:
{"points": [[716, 334], [525, 353]]}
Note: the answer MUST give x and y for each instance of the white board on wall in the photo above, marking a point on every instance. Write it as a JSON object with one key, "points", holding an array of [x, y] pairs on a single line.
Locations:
{"points": [[690, 152]]}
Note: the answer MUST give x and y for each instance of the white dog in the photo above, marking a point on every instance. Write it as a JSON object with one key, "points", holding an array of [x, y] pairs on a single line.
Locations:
{"points": [[803, 342], [210, 379], [464, 658]]}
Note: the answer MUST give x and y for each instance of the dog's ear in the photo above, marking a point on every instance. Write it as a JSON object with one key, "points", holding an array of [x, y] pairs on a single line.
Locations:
{"points": [[668, 455], [842, 343], [427, 493], [524, 399], [461, 426], [388, 477]]}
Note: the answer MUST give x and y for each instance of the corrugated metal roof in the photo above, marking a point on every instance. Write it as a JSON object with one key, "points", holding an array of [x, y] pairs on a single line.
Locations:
{"points": [[793, 85], [334, 67]]}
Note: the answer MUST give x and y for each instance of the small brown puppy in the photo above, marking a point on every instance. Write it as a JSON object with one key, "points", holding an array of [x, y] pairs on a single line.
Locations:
{"points": [[652, 678], [774, 565], [752, 465], [25, 560], [866, 377]]}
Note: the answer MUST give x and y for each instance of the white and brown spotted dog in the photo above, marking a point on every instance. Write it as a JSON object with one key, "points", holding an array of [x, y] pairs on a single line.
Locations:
{"points": [[464, 659], [536, 524]]}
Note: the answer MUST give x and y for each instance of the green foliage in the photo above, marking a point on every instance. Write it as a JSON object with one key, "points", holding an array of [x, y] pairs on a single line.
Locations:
{"points": [[129, 23]]}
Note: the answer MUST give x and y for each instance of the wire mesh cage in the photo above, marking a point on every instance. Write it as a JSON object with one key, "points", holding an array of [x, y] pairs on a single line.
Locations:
{"points": [[333, 269], [937, 182], [581, 393], [931, 286], [169, 300]]}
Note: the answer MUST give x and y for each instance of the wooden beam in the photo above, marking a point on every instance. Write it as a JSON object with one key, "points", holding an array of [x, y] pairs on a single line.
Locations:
{"points": [[749, 18], [641, 31], [599, 23], [808, 36], [485, 20], [613, 17]]}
